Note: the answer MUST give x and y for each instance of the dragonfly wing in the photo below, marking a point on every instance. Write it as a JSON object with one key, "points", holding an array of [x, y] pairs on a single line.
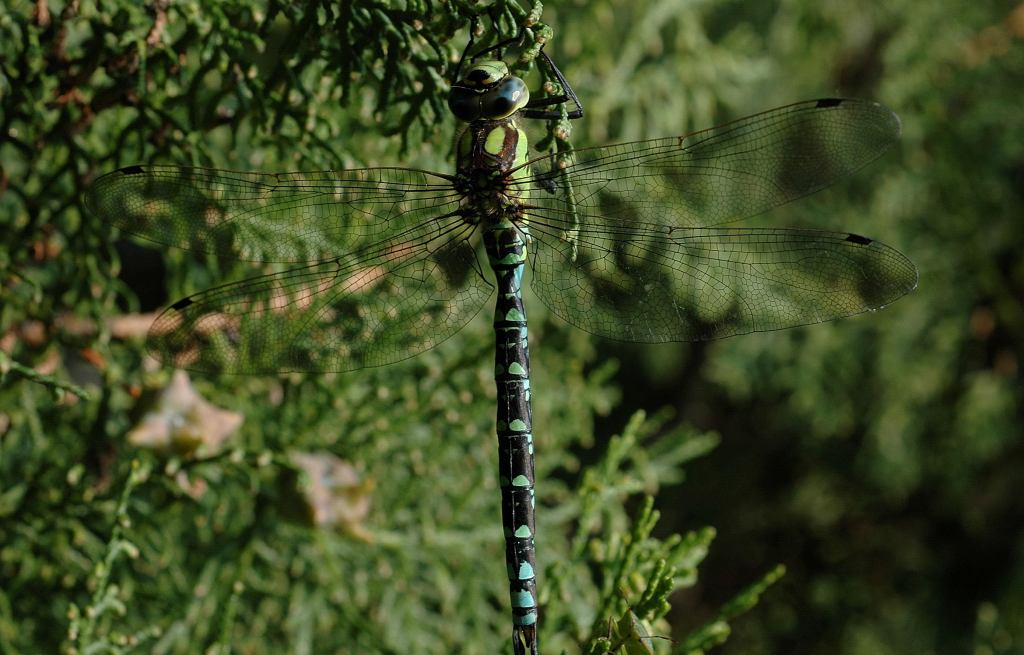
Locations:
{"points": [[715, 176], [374, 265], [630, 242], [381, 305], [267, 217], [648, 283]]}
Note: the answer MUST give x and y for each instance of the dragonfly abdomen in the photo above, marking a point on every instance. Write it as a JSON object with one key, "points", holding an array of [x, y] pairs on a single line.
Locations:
{"points": [[506, 248]]}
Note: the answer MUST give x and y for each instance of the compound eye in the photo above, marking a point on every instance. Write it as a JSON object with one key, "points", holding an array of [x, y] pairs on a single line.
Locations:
{"points": [[485, 73], [465, 104], [507, 98]]}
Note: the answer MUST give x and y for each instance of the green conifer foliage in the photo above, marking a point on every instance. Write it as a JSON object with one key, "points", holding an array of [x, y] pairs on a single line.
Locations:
{"points": [[876, 460]]}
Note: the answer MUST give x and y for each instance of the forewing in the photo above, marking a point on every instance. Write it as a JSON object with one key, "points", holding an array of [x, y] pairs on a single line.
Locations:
{"points": [[268, 217], [377, 264], [722, 174], [630, 243]]}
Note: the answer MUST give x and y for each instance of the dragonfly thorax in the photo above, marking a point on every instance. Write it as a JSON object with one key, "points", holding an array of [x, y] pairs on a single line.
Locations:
{"points": [[491, 162]]}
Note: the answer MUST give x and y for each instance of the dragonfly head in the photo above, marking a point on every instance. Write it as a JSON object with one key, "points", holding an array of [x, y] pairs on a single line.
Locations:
{"points": [[487, 92]]}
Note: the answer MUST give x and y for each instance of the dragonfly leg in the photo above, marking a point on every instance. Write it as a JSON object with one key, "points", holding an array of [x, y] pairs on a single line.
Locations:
{"points": [[472, 39], [498, 47], [474, 21], [531, 110]]}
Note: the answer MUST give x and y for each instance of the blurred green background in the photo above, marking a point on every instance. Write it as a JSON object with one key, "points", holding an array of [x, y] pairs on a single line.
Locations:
{"points": [[877, 458]]}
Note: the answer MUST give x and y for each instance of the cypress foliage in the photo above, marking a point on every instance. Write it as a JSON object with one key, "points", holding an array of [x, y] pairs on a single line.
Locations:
{"points": [[876, 459]]}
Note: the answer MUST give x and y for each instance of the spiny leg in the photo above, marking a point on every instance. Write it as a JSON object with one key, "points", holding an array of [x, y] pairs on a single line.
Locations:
{"points": [[531, 110]]}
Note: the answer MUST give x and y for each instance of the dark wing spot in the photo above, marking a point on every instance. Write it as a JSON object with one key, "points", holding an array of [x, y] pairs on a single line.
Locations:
{"points": [[182, 304], [133, 170], [547, 182], [829, 102], [858, 239]]}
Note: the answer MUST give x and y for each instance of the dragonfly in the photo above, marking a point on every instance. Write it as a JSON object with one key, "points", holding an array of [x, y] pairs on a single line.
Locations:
{"points": [[634, 242]]}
